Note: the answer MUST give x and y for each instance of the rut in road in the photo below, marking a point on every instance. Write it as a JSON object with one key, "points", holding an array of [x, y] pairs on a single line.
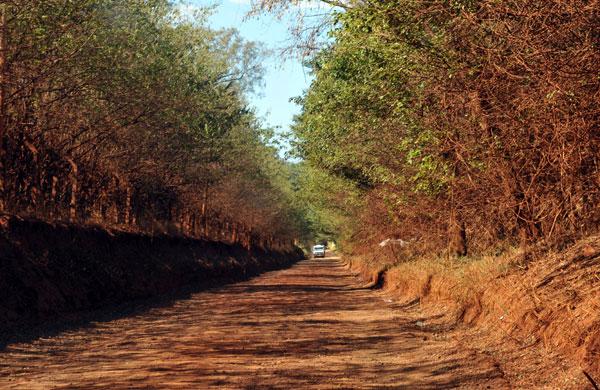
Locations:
{"points": [[310, 326]]}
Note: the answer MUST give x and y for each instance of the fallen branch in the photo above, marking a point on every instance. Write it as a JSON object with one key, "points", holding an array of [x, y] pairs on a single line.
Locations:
{"points": [[592, 381]]}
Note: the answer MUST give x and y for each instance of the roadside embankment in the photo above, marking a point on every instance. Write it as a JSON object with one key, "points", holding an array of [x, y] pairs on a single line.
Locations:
{"points": [[552, 300], [50, 269]]}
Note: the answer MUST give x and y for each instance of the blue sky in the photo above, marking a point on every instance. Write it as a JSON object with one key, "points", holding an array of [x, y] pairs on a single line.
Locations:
{"points": [[284, 77]]}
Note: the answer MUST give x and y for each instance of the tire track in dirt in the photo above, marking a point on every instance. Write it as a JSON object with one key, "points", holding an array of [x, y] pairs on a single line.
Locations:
{"points": [[310, 326]]}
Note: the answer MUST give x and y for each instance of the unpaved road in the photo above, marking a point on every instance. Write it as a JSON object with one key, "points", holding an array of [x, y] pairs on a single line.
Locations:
{"points": [[310, 326]]}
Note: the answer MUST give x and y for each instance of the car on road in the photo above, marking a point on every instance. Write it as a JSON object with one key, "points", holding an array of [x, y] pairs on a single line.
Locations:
{"points": [[318, 251]]}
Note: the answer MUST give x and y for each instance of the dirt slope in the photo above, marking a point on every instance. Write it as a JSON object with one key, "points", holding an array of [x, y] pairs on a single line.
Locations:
{"points": [[47, 270], [548, 302]]}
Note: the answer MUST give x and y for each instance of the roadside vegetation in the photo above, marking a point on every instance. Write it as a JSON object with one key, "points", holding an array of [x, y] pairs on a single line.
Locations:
{"points": [[130, 115], [450, 148], [462, 126]]}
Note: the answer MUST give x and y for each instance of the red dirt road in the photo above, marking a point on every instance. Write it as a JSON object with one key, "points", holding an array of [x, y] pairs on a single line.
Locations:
{"points": [[311, 326]]}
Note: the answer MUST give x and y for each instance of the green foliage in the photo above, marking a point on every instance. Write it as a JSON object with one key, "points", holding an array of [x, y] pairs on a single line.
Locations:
{"points": [[139, 91], [326, 202], [458, 116], [360, 120]]}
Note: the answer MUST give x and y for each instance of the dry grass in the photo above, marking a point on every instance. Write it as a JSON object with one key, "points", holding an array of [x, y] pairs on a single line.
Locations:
{"points": [[439, 278], [548, 298]]}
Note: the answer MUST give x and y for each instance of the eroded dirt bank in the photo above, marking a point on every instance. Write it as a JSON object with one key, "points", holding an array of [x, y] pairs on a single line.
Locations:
{"points": [[539, 318], [47, 270]]}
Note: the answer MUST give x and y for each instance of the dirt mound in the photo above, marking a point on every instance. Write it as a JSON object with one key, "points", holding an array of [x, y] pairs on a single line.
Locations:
{"points": [[48, 269], [553, 300]]}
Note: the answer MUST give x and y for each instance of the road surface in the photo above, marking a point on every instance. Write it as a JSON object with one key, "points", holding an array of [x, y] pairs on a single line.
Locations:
{"points": [[311, 326]]}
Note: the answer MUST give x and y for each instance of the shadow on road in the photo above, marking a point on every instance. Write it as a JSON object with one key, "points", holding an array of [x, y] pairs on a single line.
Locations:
{"points": [[310, 326]]}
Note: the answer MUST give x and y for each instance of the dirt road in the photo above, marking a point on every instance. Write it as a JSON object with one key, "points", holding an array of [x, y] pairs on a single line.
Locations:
{"points": [[310, 326]]}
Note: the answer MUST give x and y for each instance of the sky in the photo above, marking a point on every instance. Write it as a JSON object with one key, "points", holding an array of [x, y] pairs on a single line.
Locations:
{"points": [[284, 78]]}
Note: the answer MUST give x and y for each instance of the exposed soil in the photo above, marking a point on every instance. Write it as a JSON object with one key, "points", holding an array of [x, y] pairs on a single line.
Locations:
{"points": [[537, 315], [314, 325], [310, 326]]}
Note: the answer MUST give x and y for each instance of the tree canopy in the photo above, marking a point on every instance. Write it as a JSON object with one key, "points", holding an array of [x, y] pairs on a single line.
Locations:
{"points": [[470, 119], [127, 113]]}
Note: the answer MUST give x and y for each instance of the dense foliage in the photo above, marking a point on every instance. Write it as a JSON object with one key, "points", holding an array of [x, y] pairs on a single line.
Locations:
{"points": [[128, 114], [458, 122]]}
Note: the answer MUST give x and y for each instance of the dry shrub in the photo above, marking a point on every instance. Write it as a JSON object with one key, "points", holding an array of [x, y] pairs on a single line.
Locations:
{"points": [[510, 92], [458, 283], [523, 98]]}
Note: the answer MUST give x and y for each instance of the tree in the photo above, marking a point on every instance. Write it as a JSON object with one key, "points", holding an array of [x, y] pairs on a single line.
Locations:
{"points": [[456, 118], [123, 113]]}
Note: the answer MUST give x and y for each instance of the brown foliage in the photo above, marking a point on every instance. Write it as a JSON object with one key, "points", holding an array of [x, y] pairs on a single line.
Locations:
{"points": [[512, 94], [109, 120], [526, 103]]}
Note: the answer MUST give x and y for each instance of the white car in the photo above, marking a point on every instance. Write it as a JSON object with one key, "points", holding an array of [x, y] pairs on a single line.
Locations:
{"points": [[318, 251]]}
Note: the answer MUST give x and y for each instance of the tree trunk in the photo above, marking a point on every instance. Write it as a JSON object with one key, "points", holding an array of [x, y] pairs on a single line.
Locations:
{"points": [[74, 189], [204, 211], [127, 214], [248, 239], [53, 193], [34, 179], [103, 207], [3, 121], [193, 224], [234, 234], [458, 236], [113, 200]]}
